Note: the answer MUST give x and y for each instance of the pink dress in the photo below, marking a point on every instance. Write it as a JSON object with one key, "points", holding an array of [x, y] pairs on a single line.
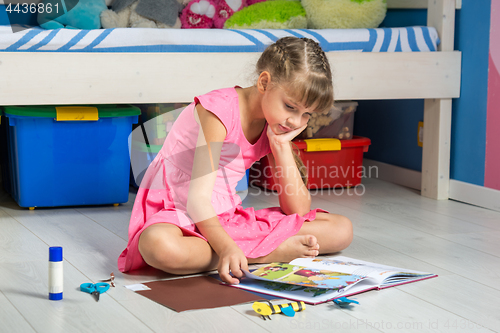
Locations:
{"points": [[162, 195]]}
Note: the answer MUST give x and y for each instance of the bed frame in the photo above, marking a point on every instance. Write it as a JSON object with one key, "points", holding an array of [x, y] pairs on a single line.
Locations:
{"points": [[108, 78]]}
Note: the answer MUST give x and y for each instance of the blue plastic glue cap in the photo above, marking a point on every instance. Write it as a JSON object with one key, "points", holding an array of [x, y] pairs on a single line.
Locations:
{"points": [[55, 297], [55, 253]]}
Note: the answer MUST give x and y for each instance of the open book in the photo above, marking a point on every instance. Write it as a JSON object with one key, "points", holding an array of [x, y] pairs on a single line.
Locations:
{"points": [[317, 280]]}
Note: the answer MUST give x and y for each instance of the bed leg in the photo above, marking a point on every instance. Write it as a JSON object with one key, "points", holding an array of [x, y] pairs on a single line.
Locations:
{"points": [[436, 149], [437, 112]]}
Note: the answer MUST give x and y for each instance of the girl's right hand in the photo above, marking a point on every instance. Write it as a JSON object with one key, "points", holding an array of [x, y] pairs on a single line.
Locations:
{"points": [[232, 259], [280, 139]]}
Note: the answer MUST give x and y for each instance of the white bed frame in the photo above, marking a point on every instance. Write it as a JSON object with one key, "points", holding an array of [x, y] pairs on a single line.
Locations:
{"points": [[108, 78]]}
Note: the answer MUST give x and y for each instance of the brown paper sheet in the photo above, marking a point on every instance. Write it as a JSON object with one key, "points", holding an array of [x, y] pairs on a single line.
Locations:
{"points": [[199, 292]]}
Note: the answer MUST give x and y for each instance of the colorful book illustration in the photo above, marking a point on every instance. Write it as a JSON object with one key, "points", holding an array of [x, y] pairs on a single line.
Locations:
{"points": [[317, 280], [304, 276]]}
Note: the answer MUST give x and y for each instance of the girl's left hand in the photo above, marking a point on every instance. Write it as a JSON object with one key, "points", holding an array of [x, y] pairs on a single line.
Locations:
{"points": [[279, 139]]}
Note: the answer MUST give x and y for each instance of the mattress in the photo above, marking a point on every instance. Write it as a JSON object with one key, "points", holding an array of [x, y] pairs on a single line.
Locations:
{"points": [[408, 39]]}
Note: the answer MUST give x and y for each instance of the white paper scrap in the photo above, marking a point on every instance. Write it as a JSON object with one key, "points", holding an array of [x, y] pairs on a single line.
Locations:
{"points": [[137, 287]]}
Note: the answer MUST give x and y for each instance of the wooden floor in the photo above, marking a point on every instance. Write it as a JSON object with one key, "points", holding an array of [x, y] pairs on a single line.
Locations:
{"points": [[393, 225]]}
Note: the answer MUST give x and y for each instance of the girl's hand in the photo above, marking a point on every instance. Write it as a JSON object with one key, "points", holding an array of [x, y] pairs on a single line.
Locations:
{"points": [[232, 259], [279, 139]]}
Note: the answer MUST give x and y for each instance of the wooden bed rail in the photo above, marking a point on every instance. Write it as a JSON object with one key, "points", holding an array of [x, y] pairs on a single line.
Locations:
{"points": [[108, 78]]}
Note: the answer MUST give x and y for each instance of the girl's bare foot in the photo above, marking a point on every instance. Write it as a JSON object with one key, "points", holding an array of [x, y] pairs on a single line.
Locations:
{"points": [[298, 246]]}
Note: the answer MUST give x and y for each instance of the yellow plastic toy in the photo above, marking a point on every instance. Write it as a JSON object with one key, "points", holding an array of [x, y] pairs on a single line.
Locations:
{"points": [[288, 309]]}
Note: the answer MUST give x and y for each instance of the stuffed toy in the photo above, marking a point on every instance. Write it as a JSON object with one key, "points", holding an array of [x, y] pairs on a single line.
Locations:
{"points": [[344, 14], [280, 14], [79, 15], [225, 9], [198, 14], [143, 14]]}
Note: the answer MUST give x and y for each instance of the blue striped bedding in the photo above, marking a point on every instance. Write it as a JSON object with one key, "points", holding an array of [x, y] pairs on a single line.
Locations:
{"points": [[411, 39]]}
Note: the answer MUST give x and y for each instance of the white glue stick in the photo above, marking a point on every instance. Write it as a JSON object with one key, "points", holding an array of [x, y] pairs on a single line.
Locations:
{"points": [[55, 273]]}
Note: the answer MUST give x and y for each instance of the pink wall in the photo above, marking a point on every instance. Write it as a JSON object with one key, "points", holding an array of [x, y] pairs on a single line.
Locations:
{"points": [[492, 162]]}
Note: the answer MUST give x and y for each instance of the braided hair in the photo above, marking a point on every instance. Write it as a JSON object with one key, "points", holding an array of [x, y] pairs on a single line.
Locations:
{"points": [[300, 66]]}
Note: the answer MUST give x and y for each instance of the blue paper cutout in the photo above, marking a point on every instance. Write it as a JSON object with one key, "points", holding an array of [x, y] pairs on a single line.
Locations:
{"points": [[344, 302], [288, 311]]}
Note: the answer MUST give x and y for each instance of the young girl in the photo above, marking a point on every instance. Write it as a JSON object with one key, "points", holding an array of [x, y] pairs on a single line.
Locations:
{"points": [[187, 217]]}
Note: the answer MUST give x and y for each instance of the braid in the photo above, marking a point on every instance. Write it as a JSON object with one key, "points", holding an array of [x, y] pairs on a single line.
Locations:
{"points": [[281, 48], [301, 66], [324, 61], [318, 52], [283, 55]]}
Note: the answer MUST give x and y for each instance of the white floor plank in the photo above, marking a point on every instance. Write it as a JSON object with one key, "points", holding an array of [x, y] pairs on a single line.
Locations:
{"points": [[220, 320], [26, 286], [488, 242], [17, 243], [397, 208], [92, 248], [472, 301], [325, 317], [393, 310], [115, 219], [11, 319], [469, 213]]}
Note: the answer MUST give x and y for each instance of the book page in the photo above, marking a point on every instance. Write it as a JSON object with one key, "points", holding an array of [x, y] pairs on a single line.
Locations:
{"points": [[375, 277], [304, 276], [358, 267]]}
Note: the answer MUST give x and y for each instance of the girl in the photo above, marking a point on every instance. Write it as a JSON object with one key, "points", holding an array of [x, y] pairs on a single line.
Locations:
{"points": [[187, 217]]}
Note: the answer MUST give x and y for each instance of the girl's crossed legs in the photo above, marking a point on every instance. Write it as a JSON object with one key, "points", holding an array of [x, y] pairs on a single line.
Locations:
{"points": [[164, 246]]}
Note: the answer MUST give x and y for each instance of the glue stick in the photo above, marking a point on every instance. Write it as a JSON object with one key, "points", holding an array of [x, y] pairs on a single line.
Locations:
{"points": [[55, 273]]}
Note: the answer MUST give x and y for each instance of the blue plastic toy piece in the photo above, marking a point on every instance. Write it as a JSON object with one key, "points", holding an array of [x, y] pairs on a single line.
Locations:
{"points": [[344, 302]]}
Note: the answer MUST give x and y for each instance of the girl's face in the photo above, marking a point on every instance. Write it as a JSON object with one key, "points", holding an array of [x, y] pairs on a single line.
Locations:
{"points": [[283, 114]]}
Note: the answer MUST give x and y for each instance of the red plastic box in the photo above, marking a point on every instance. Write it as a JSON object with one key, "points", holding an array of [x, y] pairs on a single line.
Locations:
{"points": [[326, 169]]}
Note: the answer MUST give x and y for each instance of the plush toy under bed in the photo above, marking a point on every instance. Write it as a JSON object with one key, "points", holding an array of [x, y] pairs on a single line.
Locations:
{"points": [[143, 14], [344, 14], [269, 15], [312, 14], [79, 15]]}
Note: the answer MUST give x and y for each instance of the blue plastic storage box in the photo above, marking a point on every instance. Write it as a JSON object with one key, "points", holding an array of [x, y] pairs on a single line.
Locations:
{"points": [[243, 183], [4, 155], [69, 156]]}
